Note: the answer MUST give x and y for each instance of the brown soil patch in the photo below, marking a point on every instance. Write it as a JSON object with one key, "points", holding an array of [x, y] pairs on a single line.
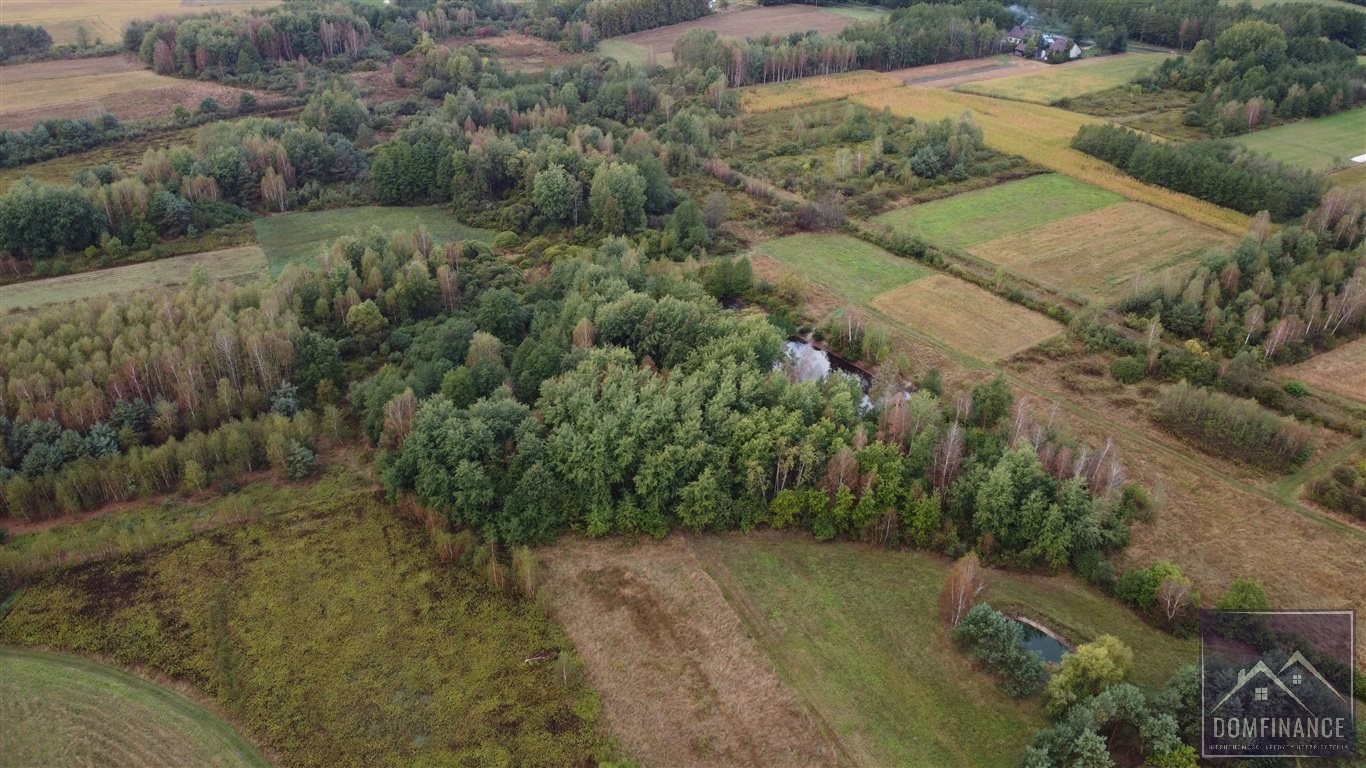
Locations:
{"points": [[682, 681], [970, 319], [1341, 371], [1099, 252], [87, 88], [751, 22]]}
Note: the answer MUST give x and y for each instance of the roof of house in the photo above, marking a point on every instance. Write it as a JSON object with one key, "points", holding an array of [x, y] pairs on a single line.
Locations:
{"points": [[1060, 44], [1018, 31]]}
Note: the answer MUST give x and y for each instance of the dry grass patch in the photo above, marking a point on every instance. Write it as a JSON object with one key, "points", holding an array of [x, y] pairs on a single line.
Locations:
{"points": [[966, 317], [682, 682], [1099, 252], [1341, 371], [86, 88], [105, 19], [229, 264], [811, 90], [1043, 135], [524, 53], [1052, 83]]}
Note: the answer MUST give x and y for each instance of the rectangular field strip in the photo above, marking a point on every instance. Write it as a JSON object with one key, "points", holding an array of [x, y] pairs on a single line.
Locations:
{"points": [[855, 269], [966, 317]]}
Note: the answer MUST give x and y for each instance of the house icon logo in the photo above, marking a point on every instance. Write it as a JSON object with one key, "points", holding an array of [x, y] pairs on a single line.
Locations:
{"points": [[1277, 683]]}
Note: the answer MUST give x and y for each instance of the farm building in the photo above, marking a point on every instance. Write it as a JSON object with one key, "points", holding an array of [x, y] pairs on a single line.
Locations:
{"points": [[1043, 46]]}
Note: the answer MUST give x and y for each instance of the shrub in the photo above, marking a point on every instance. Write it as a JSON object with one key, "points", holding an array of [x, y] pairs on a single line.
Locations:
{"points": [[505, 240], [1296, 389], [997, 643], [1138, 586], [300, 461], [1128, 370], [1092, 668]]}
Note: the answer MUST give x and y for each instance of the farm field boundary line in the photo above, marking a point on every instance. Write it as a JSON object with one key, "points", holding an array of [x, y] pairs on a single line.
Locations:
{"points": [[1043, 135]]}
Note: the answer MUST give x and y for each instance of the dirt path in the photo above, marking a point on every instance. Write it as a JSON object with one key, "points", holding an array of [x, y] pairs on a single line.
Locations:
{"points": [[683, 682]]}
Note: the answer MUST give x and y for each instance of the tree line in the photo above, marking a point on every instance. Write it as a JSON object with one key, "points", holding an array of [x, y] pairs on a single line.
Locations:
{"points": [[610, 18], [1222, 172]]}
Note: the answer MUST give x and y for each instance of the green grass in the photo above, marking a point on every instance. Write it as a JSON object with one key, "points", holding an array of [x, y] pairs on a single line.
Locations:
{"points": [[859, 12], [986, 214], [302, 236], [335, 638], [1068, 81], [1319, 144], [229, 264], [853, 629], [861, 271], [634, 54], [1262, 3], [65, 710]]}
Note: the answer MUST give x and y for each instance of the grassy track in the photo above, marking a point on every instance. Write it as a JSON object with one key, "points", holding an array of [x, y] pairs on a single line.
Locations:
{"points": [[299, 236], [1067, 81], [853, 629], [229, 264], [1319, 144], [861, 271], [1044, 135], [65, 710], [1005, 209]]}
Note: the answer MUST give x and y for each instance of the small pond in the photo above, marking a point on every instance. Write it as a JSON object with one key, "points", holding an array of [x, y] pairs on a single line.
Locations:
{"points": [[807, 362], [1036, 639]]}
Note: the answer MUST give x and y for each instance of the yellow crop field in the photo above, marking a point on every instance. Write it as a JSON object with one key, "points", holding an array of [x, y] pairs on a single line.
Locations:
{"points": [[1097, 253], [966, 317], [1043, 135], [810, 90], [229, 264], [105, 19]]}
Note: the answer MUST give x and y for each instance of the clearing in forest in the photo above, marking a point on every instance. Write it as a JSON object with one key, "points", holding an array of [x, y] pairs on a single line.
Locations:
{"points": [[970, 319], [1043, 135], [857, 269], [305, 235], [1341, 371], [228, 264], [1318, 144], [1053, 83], [811, 90], [66, 710], [87, 88]]}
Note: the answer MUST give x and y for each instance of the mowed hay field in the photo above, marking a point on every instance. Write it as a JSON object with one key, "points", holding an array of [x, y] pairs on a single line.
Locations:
{"points": [[86, 88], [1318, 144], [1043, 135], [1098, 254], [64, 710], [683, 682], [997, 211], [228, 264], [1066, 81], [853, 629], [1341, 371], [970, 319], [334, 637], [856, 269], [303, 236], [810, 90], [105, 19]]}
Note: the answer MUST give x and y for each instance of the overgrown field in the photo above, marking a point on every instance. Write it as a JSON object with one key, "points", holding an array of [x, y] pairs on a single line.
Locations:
{"points": [[85, 88], [970, 319], [853, 629], [999, 211], [856, 269], [810, 90], [105, 19], [1319, 144], [229, 264], [1068, 81], [65, 710], [333, 635], [1342, 370], [1098, 254], [1043, 135], [299, 236], [749, 22]]}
